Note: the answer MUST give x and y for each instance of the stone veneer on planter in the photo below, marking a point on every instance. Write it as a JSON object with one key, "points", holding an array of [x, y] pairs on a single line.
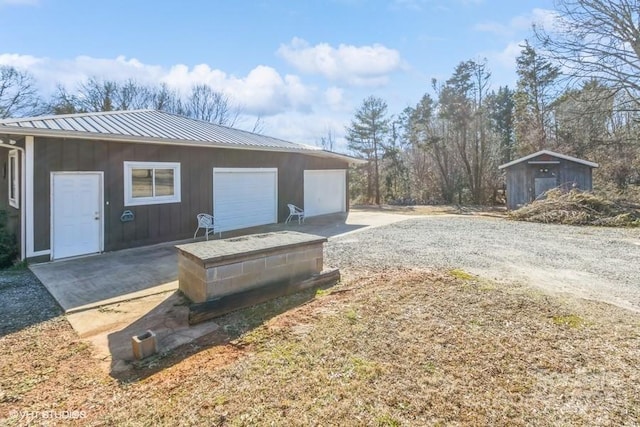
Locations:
{"points": [[213, 269]]}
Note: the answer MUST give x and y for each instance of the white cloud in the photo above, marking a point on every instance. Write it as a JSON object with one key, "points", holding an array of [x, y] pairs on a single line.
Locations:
{"points": [[357, 65], [298, 128], [263, 91], [503, 63], [517, 24], [507, 57]]}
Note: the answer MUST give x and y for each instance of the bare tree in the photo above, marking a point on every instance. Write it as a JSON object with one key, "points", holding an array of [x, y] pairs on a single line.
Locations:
{"points": [[18, 95], [63, 102], [258, 125], [597, 39], [327, 142], [165, 99], [97, 95], [209, 105], [132, 95]]}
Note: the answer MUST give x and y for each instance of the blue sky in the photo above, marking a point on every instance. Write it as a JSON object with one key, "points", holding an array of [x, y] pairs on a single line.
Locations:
{"points": [[303, 66]]}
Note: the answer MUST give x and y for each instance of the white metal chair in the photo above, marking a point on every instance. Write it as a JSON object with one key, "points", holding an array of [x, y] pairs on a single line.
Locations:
{"points": [[295, 211], [205, 221]]}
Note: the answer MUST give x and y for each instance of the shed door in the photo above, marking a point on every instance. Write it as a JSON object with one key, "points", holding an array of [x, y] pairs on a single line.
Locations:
{"points": [[244, 197], [544, 184], [324, 191], [76, 213]]}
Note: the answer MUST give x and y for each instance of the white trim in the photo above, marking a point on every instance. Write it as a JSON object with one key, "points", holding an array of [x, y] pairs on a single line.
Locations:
{"points": [[14, 184], [549, 153], [41, 253], [100, 202], [243, 170], [129, 200], [29, 145]]}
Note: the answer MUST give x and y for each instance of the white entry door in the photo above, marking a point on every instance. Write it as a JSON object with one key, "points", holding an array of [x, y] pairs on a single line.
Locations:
{"points": [[244, 197], [76, 213], [324, 191]]}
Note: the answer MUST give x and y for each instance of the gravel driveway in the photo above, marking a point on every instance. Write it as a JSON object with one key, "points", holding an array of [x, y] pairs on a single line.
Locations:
{"points": [[594, 263], [23, 301]]}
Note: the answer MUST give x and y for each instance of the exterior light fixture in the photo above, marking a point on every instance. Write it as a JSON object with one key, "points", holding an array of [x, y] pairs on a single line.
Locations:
{"points": [[12, 141]]}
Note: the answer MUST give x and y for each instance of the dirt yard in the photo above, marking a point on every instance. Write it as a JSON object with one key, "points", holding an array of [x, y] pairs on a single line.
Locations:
{"points": [[393, 347], [409, 337]]}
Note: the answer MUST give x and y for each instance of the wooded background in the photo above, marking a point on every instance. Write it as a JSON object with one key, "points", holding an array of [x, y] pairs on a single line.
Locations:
{"points": [[578, 93]]}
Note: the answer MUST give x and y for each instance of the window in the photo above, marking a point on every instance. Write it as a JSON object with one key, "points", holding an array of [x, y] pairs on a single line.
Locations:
{"points": [[14, 179], [149, 183]]}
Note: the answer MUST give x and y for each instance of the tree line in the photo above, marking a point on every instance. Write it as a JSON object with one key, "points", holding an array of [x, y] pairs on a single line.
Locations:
{"points": [[19, 97], [577, 93]]}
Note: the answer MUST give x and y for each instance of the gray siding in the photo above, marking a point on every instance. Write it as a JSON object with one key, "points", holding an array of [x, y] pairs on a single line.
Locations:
{"points": [[164, 222]]}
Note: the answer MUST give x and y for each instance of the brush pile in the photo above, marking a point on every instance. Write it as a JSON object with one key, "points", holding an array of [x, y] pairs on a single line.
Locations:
{"points": [[579, 208]]}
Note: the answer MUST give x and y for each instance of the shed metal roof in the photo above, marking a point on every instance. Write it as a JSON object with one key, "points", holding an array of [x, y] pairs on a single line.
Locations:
{"points": [[549, 153], [153, 126]]}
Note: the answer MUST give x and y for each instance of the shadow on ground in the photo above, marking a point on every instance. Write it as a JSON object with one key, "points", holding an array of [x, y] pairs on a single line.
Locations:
{"points": [[24, 301], [172, 312]]}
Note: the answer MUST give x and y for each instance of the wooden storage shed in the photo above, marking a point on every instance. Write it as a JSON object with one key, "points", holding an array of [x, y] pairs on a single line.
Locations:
{"points": [[86, 183], [529, 177]]}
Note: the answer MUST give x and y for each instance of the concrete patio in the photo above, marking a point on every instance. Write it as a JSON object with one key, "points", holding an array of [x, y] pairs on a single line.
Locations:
{"points": [[92, 281]]}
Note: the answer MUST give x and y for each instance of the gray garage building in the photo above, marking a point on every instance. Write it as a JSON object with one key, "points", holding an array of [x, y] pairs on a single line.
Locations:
{"points": [[86, 183], [530, 176]]}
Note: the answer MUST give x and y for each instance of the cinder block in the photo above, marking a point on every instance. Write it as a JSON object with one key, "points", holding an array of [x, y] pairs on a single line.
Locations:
{"points": [[275, 260], [219, 288], [253, 266], [246, 281], [229, 270], [144, 345]]}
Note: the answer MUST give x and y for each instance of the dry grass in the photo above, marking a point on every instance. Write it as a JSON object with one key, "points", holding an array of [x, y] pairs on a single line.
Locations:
{"points": [[399, 347], [579, 208]]}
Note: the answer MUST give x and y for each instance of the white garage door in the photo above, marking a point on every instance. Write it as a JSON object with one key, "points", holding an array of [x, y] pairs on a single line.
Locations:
{"points": [[244, 197], [324, 191]]}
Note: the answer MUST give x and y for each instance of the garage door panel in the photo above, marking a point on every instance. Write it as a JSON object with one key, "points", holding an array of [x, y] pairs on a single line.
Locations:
{"points": [[324, 191], [244, 197]]}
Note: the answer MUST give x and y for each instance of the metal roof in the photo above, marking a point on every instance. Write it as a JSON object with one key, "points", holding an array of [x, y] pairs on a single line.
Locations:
{"points": [[153, 126], [549, 153]]}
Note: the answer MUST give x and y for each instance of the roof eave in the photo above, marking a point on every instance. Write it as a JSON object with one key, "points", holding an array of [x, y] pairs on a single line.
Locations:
{"points": [[550, 153]]}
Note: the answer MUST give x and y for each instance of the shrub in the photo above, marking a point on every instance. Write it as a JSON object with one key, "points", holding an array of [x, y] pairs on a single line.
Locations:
{"points": [[8, 243]]}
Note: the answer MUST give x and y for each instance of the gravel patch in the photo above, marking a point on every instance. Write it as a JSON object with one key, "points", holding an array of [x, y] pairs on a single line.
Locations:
{"points": [[590, 262], [24, 301]]}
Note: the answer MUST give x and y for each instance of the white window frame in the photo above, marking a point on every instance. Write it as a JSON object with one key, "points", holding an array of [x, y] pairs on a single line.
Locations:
{"points": [[14, 185], [129, 200]]}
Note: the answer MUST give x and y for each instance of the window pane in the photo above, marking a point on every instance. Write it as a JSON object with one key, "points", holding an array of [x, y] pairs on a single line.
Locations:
{"points": [[141, 183], [164, 182]]}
